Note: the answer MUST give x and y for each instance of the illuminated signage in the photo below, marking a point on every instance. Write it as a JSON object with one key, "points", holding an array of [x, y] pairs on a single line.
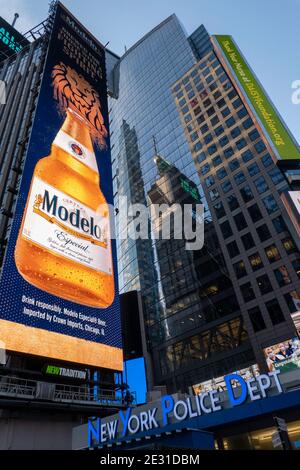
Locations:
{"points": [[11, 41], [59, 280], [265, 111], [172, 410], [57, 371]]}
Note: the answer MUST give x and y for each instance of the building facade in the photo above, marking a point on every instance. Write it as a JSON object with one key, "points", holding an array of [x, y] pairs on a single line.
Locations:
{"points": [[218, 311]]}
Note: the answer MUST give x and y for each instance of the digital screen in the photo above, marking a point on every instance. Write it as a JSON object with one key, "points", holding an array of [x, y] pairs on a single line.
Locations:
{"points": [[219, 382], [284, 356], [59, 281]]}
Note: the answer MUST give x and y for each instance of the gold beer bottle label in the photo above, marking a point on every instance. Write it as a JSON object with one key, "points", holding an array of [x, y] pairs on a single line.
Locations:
{"points": [[62, 224], [66, 227]]}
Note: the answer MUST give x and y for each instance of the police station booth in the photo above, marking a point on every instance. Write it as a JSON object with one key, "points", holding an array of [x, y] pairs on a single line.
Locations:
{"points": [[243, 416]]}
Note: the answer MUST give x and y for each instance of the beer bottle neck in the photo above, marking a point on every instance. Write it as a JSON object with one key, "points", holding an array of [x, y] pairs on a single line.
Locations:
{"points": [[75, 141]]}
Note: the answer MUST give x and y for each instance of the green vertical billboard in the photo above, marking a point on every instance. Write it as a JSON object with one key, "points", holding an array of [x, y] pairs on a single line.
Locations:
{"points": [[277, 132]]}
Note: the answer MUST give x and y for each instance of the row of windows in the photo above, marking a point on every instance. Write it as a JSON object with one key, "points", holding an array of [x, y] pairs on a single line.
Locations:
{"points": [[256, 263], [239, 178], [275, 312]]}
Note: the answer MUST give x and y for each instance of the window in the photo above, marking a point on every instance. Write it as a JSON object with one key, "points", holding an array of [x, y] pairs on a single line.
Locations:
{"points": [[232, 94], [240, 269], [207, 103], [226, 186], [255, 261], [219, 130], [296, 266], [275, 312], [270, 204], [246, 193], [213, 86], [234, 164], [233, 249], [200, 119], [201, 157], [264, 284], [225, 112], [240, 221], [233, 202], [276, 175], [247, 292], [282, 276], [261, 185], [216, 161], [194, 136], [235, 132], [253, 135], [248, 241], [256, 319], [263, 233], [289, 245], [197, 111], [221, 173], [237, 103], [242, 112], [221, 103], [239, 177], [212, 149], [227, 86], [209, 79], [267, 160], [209, 181], [214, 120], [260, 146], [253, 169], [272, 253], [279, 224], [217, 95], [255, 213], [246, 156], [210, 111], [230, 121], [226, 229], [247, 123], [214, 194], [205, 169], [191, 94], [188, 118], [208, 138], [219, 209], [197, 147], [292, 299], [224, 141], [228, 152], [241, 143]]}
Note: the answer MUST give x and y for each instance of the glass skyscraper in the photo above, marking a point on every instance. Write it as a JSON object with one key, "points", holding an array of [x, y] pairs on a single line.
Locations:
{"points": [[175, 115]]}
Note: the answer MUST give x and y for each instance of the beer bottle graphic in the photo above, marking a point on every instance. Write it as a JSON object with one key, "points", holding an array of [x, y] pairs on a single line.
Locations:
{"points": [[64, 245]]}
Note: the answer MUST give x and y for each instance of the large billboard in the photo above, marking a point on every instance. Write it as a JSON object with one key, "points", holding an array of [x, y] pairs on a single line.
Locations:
{"points": [[279, 136], [59, 287], [11, 41]]}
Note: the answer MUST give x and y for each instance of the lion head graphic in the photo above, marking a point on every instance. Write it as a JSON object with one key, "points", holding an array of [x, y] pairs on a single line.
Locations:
{"points": [[72, 90]]}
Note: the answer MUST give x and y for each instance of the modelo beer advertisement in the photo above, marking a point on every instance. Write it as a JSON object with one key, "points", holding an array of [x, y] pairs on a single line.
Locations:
{"points": [[59, 284]]}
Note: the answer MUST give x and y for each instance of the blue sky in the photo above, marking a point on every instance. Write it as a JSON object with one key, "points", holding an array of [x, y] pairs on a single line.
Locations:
{"points": [[267, 32]]}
